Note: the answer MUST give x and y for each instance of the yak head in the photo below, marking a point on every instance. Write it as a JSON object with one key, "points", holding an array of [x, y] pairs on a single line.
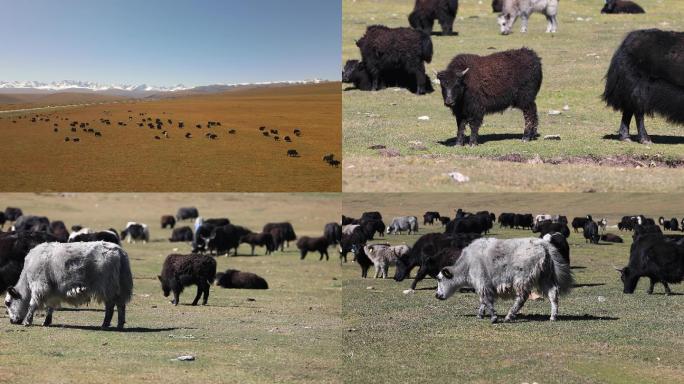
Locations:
{"points": [[453, 86], [505, 21], [629, 279], [446, 284], [17, 305], [351, 68], [609, 7], [165, 286]]}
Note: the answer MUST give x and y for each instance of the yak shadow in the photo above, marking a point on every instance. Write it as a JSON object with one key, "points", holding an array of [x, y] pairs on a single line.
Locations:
{"points": [[539, 317], [671, 294], [656, 139], [439, 34], [114, 329], [426, 289], [78, 310], [588, 285], [451, 142], [577, 267]]}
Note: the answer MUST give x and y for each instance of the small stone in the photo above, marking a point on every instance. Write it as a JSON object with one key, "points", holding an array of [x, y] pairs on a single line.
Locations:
{"points": [[601, 299], [370, 288], [186, 358], [552, 137], [554, 112], [459, 177], [566, 107], [424, 118], [409, 291]]}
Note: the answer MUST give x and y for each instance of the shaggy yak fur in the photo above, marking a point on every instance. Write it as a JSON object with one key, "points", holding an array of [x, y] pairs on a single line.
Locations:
{"points": [[654, 256], [313, 244], [645, 77], [14, 246], [168, 221], [180, 271], [356, 72], [240, 280], [386, 49], [473, 86], [426, 11], [621, 6], [261, 240], [508, 268], [75, 273], [384, 255]]}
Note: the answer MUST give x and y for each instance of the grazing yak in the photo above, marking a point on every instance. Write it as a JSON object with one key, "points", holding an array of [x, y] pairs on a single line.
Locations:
{"points": [[386, 49], [235, 279], [14, 246], [426, 11], [32, 224], [508, 268], [621, 6], [656, 257], [371, 227], [591, 232], [181, 234], [473, 86], [361, 259], [512, 9], [645, 77], [13, 213], [261, 240], [479, 223], [187, 213], [333, 232], [287, 233], [403, 223], [580, 222], [180, 271], [351, 242], [430, 253], [168, 221], [384, 255], [429, 217], [75, 273], [313, 244], [135, 231], [222, 239], [356, 72]]}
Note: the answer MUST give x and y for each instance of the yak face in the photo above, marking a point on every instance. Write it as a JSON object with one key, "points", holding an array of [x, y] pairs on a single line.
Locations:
{"points": [[505, 21], [165, 286], [453, 86], [628, 279], [445, 284], [17, 305], [351, 67], [402, 269]]}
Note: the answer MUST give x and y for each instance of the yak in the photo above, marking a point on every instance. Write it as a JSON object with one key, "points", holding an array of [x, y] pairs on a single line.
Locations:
{"points": [[621, 6], [426, 11]]}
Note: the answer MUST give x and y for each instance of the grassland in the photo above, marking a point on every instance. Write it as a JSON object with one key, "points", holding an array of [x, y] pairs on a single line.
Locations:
{"points": [[574, 62], [289, 333], [129, 158], [602, 336]]}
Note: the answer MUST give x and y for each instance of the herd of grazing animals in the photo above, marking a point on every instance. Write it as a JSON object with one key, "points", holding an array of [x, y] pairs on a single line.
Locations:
{"points": [[463, 257], [42, 264], [644, 77]]}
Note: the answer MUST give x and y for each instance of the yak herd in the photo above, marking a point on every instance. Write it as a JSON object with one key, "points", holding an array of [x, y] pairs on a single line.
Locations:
{"points": [[162, 128], [43, 264], [462, 256], [645, 75]]}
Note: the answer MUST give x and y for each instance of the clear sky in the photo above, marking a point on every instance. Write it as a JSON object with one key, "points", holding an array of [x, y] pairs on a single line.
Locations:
{"points": [[166, 42]]}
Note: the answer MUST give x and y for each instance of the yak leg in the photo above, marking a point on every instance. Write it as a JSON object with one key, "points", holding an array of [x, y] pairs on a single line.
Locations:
{"points": [[519, 302], [420, 275], [377, 271], [460, 130], [447, 26], [252, 249], [199, 294], [623, 133], [641, 129], [488, 302], [523, 22], [419, 72], [554, 26], [553, 298], [667, 288], [481, 310], [651, 286], [302, 254], [474, 130], [33, 306], [531, 122], [385, 270], [109, 312], [176, 297], [121, 315], [48, 317], [205, 298]]}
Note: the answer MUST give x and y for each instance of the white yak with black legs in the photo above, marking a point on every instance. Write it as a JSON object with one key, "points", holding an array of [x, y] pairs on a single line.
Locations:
{"points": [[75, 273], [510, 268]]}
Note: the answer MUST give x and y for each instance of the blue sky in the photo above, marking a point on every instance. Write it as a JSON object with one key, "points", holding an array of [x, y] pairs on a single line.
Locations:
{"points": [[165, 42]]}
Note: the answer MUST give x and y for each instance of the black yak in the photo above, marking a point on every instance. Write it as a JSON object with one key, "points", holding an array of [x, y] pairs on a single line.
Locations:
{"points": [[356, 72], [426, 11], [240, 280], [180, 271], [473, 86], [621, 6], [645, 77], [386, 49], [313, 244]]}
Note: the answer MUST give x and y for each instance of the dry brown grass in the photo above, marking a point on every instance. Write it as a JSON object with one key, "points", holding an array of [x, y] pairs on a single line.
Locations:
{"points": [[130, 159]]}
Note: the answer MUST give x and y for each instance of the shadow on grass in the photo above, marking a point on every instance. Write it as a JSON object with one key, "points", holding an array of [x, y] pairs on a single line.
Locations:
{"points": [[114, 329], [482, 139], [577, 267], [440, 34], [588, 285], [585, 317], [78, 310], [664, 294], [656, 139]]}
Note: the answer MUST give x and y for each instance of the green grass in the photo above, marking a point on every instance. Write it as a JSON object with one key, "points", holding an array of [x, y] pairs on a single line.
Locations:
{"points": [[289, 333], [603, 335], [574, 62]]}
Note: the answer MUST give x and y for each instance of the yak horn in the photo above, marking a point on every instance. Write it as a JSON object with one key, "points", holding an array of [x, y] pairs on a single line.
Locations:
{"points": [[464, 72], [619, 269]]}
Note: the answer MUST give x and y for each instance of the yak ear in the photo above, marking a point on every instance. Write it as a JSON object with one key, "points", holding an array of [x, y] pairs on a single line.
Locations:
{"points": [[447, 273], [13, 293], [464, 72]]}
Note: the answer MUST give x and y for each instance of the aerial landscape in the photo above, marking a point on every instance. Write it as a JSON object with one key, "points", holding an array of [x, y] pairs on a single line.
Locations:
{"points": [[394, 134]]}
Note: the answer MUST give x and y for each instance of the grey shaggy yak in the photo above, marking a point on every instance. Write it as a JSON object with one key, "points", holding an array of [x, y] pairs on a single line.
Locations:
{"points": [[403, 223], [75, 273], [512, 9], [384, 255], [508, 268]]}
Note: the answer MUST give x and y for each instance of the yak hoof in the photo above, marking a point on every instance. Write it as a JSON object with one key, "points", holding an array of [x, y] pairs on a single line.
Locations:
{"points": [[625, 139], [646, 141], [409, 291], [553, 318], [495, 319]]}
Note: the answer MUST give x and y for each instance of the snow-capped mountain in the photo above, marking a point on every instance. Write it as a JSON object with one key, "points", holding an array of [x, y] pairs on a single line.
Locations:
{"points": [[141, 90]]}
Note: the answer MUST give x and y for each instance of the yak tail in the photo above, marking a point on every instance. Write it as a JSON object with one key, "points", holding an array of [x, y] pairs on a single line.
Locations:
{"points": [[125, 278], [562, 275], [426, 47]]}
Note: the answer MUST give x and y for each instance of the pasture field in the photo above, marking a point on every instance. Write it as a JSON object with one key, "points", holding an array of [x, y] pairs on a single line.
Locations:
{"points": [[129, 158], [574, 61], [288, 333], [602, 336]]}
